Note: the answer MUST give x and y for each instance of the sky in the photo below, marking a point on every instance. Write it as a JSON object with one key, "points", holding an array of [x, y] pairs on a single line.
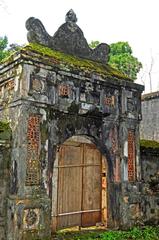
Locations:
{"points": [[109, 21]]}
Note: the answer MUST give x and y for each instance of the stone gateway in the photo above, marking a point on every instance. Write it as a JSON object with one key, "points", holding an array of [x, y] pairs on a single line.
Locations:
{"points": [[71, 157]]}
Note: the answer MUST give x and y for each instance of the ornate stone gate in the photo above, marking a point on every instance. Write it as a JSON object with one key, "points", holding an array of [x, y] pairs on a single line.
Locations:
{"points": [[53, 89]]}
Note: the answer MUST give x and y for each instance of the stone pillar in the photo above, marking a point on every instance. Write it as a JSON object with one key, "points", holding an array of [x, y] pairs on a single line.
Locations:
{"points": [[5, 134], [29, 204]]}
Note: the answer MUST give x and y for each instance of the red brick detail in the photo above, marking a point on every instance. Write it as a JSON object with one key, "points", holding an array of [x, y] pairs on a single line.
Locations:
{"points": [[117, 170], [109, 101], [131, 155], [64, 90], [33, 148]]}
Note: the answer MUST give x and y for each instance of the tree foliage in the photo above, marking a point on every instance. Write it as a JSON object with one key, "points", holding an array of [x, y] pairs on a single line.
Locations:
{"points": [[3, 47], [121, 58]]}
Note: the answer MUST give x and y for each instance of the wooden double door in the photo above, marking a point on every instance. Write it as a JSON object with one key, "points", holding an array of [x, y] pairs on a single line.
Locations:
{"points": [[79, 184]]}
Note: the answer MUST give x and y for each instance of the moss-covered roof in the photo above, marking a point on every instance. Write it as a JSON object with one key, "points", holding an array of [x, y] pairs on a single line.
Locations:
{"points": [[73, 62], [77, 62], [149, 144]]}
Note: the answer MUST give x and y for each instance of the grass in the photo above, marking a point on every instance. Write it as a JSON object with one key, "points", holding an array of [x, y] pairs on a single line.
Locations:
{"points": [[146, 233]]}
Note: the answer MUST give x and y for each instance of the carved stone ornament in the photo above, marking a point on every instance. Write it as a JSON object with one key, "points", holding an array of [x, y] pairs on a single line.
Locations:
{"points": [[31, 217], [68, 39]]}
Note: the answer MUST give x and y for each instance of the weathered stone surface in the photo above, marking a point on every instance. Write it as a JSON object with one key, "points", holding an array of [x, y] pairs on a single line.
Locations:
{"points": [[4, 187], [149, 127], [69, 39]]}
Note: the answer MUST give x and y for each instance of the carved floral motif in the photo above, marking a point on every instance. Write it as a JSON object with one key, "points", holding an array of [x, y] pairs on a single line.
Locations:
{"points": [[64, 90], [109, 101], [31, 218]]}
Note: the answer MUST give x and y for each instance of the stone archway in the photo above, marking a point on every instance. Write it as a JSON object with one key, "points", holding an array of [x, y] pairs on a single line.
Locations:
{"points": [[79, 185]]}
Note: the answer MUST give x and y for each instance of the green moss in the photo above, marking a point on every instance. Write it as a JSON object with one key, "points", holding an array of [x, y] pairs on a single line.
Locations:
{"points": [[68, 61], [149, 144], [5, 131]]}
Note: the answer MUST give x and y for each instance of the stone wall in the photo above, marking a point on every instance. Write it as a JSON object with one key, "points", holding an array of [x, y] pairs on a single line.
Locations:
{"points": [[150, 163], [4, 181], [139, 205], [149, 126], [149, 130], [140, 200], [150, 189]]}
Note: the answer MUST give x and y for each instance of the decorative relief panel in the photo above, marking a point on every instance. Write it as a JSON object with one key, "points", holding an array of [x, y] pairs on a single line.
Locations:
{"points": [[37, 83], [64, 90], [109, 101], [131, 155], [31, 218], [33, 149]]}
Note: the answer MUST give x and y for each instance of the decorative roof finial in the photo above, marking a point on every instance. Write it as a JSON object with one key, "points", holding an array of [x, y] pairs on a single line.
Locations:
{"points": [[71, 16], [68, 39]]}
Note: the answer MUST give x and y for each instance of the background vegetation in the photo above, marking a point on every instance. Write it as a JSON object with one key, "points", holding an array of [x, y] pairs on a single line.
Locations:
{"points": [[145, 233], [122, 59], [5, 49]]}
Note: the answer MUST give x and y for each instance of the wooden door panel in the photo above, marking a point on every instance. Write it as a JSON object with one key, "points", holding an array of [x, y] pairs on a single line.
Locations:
{"points": [[79, 185], [91, 200], [91, 154], [91, 188], [70, 181], [91, 218], [70, 155], [69, 221], [70, 186]]}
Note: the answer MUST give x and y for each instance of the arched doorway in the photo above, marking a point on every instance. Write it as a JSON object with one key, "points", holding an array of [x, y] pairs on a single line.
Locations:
{"points": [[79, 195]]}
